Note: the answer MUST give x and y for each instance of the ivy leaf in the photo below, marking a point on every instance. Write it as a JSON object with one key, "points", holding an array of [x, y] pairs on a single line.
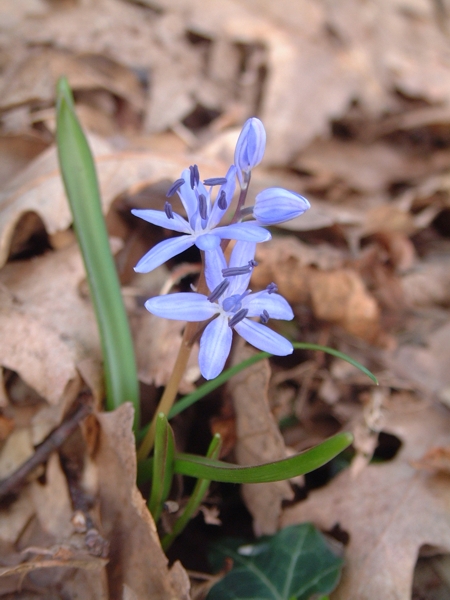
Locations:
{"points": [[294, 564]]}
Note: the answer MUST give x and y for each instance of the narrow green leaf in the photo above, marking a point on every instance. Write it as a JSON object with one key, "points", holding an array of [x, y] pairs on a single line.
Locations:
{"points": [[162, 465], [293, 564], [80, 181], [198, 493], [210, 386], [205, 468]]}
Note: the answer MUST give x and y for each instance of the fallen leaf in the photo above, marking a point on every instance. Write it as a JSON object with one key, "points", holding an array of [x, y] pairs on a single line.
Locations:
{"points": [[389, 511], [136, 557], [258, 441]]}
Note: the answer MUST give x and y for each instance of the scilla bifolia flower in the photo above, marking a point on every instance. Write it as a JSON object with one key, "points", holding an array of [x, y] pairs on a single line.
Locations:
{"points": [[276, 205], [203, 216], [249, 149], [230, 306]]}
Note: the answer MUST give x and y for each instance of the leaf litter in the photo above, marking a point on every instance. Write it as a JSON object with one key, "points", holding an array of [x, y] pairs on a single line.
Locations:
{"points": [[357, 115]]}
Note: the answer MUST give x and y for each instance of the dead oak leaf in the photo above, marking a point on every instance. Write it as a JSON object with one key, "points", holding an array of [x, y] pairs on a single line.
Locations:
{"points": [[136, 557], [389, 511], [258, 440]]}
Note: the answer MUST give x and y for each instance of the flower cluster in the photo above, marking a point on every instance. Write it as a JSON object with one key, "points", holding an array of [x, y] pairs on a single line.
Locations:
{"points": [[230, 304]]}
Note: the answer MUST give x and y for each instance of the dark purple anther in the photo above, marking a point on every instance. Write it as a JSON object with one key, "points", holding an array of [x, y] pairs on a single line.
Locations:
{"points": [[234, 271], [271, 288], [215, 181], [237, 318], [264, 317], [202, 206], [168, 210], [218, 290], [222, 201], [174, 187], [195, 176]]}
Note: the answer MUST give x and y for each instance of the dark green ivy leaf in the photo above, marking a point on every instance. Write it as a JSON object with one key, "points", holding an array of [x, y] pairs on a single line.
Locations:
{"points": [[294, 564]]}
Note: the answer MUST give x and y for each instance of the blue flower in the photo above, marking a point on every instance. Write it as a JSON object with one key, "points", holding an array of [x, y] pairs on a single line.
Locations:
{"points": [[203, 216], [249, 149], [276, 205], [229, 305]]}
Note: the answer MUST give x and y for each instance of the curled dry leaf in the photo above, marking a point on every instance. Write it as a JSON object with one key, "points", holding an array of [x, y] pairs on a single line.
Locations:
{"points": [[389, 511], [136, 557], [258, 440], [336, 295]]}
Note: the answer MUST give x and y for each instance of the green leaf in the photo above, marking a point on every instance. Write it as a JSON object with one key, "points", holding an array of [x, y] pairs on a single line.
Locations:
{"points": [[205, 468], [162, 465], [198, 493], [293, 564], [80, 181], [210, 386]]}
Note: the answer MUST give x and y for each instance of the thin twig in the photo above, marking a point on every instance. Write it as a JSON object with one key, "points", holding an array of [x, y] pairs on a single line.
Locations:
{"points": [[11, 484]]}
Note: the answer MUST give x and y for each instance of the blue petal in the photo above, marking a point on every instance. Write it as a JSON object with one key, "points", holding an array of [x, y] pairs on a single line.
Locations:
{"points": [[184, 306], [215, 345], [243, 231], [228, 187], [159, 217], [214, 263], [207, 241], [276, 306], [163, 251], [276, 205], [242, 253], [187, 195], [264, 338]]}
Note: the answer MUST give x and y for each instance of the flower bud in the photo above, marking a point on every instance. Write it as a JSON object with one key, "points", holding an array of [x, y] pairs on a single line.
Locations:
{"points": [[276, 205], [249, 149]]}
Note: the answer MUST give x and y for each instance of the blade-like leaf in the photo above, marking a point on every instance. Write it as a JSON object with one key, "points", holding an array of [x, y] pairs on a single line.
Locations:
{"points": [[198, 493], [80, 181], [162, 465], [293, 564], [205, 468]]}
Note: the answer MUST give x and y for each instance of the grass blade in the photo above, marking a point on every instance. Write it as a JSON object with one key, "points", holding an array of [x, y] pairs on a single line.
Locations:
{"points": [[80, 181], [205, 468]]}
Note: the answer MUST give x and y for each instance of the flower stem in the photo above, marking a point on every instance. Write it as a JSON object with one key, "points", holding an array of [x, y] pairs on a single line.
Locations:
{"points": [[171, 391]]}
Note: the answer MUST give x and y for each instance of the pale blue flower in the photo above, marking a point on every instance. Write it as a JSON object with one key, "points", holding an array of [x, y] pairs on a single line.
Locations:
{"points": [[276, 205], [203, 216], [230, 304], [250, 149]]}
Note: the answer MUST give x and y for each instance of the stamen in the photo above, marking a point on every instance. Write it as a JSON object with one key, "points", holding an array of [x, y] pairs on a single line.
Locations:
{"points": [[202, 206], [168, 210], [234, 271], [215, 181], [222, 200], [264, 317], [218, 290], [271, 288], [174, 187], [195, 176], [237, 318]]}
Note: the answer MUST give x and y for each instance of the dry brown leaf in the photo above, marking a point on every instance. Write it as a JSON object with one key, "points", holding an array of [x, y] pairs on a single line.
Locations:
{"points": [[34, 79], [389, 511], [435, 459], [50, 331], [258, 440], [425, 364], [157, 344], [136, 557], [39, 188], [341, 297]]}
